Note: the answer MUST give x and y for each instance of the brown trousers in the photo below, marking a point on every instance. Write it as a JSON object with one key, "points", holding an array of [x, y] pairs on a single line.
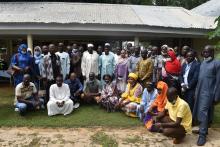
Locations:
{"points": [[176, 132]]}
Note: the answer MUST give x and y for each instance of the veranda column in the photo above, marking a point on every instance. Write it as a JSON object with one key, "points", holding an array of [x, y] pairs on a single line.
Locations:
{"points": [[30, 41], [136, 40]]}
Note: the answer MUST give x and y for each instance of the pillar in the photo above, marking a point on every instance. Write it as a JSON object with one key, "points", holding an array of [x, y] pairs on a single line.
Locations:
{"points": [[136, 40], [30, 41]]}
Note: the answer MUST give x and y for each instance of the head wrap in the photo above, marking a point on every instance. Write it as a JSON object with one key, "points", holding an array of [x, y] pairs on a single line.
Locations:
{"points": [[173, 66], [37, 47], [161, 99], [21, 47], [38, 58], [133, 75]]}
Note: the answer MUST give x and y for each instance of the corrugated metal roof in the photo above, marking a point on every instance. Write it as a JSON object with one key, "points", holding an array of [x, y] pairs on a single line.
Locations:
{"points": [[176, 17], [210, 8], [60, 12]]}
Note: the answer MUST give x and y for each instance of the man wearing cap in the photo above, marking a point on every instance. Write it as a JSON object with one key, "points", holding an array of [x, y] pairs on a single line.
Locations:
{"points": [[90, 62], [107, 62]]}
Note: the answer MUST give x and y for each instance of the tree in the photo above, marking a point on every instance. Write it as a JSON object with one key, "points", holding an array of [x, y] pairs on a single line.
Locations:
{"points": [[216, 33]]}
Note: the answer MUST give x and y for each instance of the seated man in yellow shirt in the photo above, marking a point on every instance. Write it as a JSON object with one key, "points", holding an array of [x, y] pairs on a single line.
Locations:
{"points": [[176, 120]]}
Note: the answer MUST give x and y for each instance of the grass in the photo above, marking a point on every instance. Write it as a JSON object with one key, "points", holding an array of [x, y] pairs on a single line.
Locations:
{"points": [[85, 116], [104, 140], [134, 139]]}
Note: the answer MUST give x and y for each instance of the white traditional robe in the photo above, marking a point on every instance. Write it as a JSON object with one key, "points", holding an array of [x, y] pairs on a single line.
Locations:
{"points": [[90, 63], [59, 94], [65, 63]]}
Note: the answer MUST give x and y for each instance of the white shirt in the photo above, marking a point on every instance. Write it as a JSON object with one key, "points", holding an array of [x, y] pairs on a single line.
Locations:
{"points": [[90, 63], [65, 63], [185, 76], [59, 93]]}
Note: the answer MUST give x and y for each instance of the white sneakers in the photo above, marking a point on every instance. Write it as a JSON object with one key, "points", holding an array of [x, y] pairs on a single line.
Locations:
{"points": [[76, 105], [16, 110]]}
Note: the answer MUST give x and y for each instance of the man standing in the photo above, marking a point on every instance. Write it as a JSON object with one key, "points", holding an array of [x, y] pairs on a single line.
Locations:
{"points": [[134, 59], [90, 62], [99, 50], [51, 68], [26, 97], [189, 77], [60, 102], [207, 92], [117, 55], [157, 64], [44, 50], [144, 68], [64, 59], [107, 62], [184, 51]]}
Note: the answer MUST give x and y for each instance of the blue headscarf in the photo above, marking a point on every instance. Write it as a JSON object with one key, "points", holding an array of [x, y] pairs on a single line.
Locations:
{"points": [[21, 47]]}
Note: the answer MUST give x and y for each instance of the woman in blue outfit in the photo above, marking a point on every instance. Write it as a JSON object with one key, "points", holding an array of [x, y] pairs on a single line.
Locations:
{"points": [[21, 63]]}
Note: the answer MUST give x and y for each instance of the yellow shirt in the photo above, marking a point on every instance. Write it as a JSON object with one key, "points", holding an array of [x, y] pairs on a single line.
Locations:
{"points": [[133, 94], [180, 109]]}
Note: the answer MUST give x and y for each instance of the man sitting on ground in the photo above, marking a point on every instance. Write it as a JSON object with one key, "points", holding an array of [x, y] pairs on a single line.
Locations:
{"points": [[76, 88], [92, 89], [178, 122], [26, 97], [60, 102]]}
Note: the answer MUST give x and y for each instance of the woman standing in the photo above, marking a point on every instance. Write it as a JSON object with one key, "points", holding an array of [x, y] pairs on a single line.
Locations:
{"points": [[21, 63], [121, 72], [38, 62]]}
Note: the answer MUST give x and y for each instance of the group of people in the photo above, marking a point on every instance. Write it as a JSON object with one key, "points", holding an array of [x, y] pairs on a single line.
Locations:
{"points": [[167, 90]]}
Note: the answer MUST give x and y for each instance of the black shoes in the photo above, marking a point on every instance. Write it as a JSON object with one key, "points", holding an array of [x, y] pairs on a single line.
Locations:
{"points": [[201, 141]]}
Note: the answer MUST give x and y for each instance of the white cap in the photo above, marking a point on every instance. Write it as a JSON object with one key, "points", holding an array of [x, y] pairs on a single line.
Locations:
{"points": [[90, 45], [107, 44]]}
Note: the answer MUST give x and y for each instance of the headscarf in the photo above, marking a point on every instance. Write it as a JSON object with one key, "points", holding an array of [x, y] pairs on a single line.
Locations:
{"points": [[29, 50], [133, 75], [173, 66], [37, 58], [21, 47], [161, 99]]}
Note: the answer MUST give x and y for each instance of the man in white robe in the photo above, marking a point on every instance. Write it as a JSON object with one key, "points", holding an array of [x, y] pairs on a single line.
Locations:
{"points": [[65, 60], [90, 62], [60, 102]]}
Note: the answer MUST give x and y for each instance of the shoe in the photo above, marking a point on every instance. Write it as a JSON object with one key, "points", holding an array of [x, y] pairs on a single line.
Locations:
{"points": [[76, 105], [176, 141], [16, 110], [201, 141], [195, 130]]}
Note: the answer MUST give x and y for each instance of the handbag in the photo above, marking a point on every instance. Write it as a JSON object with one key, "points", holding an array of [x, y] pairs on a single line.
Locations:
{"points": [[10, 69]]}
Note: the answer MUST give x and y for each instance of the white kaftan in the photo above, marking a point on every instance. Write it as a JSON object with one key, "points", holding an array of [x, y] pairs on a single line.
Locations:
{"points": [[65, 63], [90, 63], [59, 94]]}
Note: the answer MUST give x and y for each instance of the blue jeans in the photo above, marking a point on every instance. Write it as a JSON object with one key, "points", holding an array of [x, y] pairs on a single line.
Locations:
{"points": [[23, 107]]}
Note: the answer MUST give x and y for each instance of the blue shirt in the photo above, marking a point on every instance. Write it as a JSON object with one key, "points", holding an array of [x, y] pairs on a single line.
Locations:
{"points": [[74, 86]]}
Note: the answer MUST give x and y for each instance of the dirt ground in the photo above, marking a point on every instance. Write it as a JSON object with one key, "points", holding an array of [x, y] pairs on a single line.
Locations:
{"points": [[89, 137]]}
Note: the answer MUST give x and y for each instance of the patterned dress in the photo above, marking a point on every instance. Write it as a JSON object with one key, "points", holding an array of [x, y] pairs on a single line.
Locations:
{"points": [[109, 96]]}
